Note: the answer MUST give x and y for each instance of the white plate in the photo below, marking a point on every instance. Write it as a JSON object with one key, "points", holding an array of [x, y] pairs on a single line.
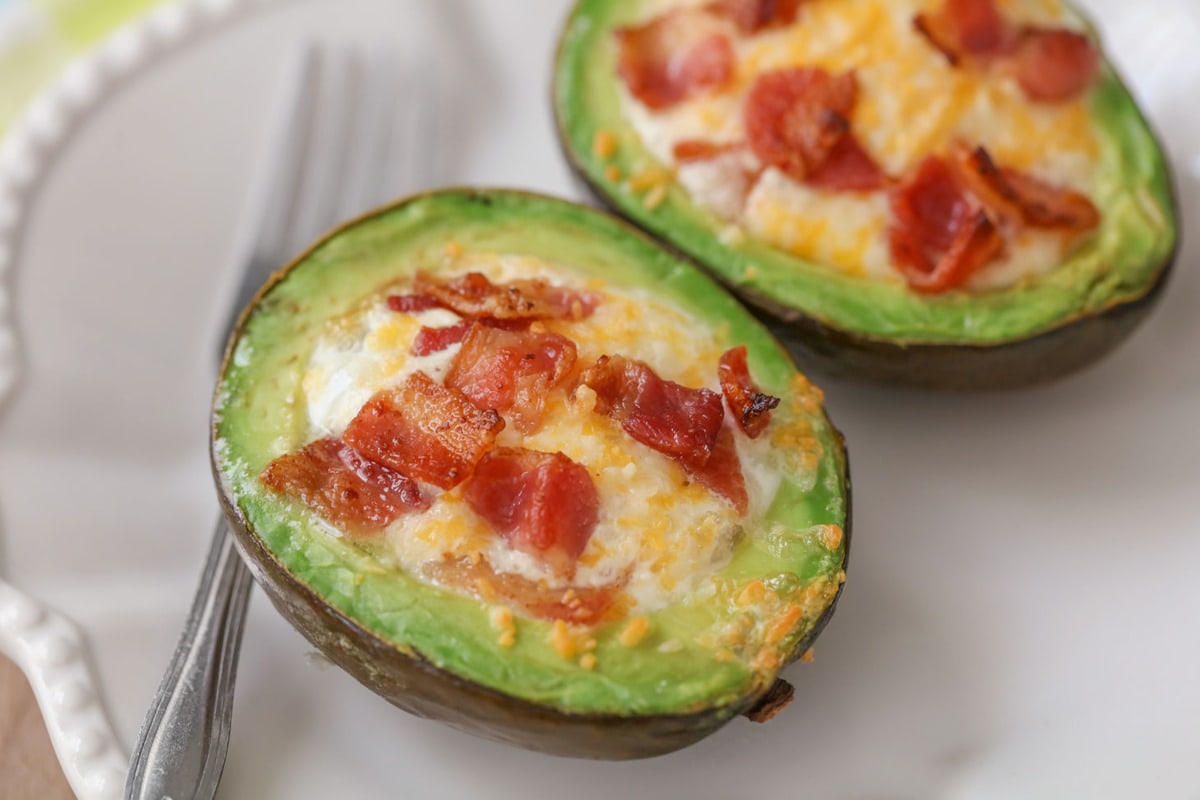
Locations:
{"points": [[1021, 615]]}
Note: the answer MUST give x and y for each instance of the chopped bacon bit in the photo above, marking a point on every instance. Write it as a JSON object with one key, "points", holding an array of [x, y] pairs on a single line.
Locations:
{"points": [[940, 237], [752, 16], [434, 340], [848, 168], [411, 303], [722, 473], [1018, 197], [355, 494], [976, 243], [1054, 65], [543, 504], [967, 28], [509, 370], [473, 295], [931, 204], [676, 421], [673, 57], [424, 430], [797, 120], [750, 407], [580, 605], [795, 117], [1050, 64], [1046, 206], [980, 175]]}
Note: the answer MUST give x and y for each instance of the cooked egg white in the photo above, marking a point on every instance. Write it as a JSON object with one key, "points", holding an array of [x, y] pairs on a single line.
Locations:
{"points": [[911, 103], [656, 532]]}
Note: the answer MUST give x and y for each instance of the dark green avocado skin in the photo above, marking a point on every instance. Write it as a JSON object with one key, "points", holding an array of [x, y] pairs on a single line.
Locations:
{"points": [[1037, 360]]}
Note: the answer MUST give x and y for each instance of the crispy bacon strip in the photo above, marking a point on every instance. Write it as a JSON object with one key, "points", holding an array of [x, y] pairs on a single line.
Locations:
{"points": [[411, 303], [579, 605], [975, 244], [751, 408], [963, 29], [433, 340], [424, 430], [940, 237], [848, 168], [511, 370], [797, 120], [676, 421], [674, 56], [1015, 196], [357, 495], [752, 16], [722, 473], [543, 504], [474, 296]]}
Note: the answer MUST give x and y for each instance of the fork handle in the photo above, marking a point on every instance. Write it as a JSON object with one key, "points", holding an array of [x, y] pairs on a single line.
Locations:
{"points": [[181, 748]]}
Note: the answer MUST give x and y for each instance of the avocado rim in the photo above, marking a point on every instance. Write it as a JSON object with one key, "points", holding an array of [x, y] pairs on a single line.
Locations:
{"points": [[411, 681]]}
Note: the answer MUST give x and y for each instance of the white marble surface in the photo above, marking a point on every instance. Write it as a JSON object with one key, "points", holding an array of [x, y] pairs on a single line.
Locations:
{"points": [[1022, 612]]}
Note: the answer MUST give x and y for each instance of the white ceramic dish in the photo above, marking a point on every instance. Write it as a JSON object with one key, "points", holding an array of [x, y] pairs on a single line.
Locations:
{"points": [[1021, 612]]}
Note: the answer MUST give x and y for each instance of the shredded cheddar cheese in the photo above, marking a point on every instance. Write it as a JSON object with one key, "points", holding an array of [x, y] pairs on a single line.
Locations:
{"points": [[604, 144], [635, 630]]}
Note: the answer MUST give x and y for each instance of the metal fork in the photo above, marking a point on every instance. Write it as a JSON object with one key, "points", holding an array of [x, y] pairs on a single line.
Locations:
{"points": [[337, 149]]}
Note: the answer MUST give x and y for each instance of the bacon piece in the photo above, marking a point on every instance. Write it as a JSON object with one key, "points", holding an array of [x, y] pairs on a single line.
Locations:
{"points": [[676, 421], [357, 495], [511, 371], [722, 473], [543, 504], [752, 16], [967, 29], [473, 295], [411, 303], [750, 407], [1051, 65], [1015, 196], [1054, 65], [673, 57], [797, 120], [578, 605], [940, 237], [434, 340], [424, 430], [848, 168]]}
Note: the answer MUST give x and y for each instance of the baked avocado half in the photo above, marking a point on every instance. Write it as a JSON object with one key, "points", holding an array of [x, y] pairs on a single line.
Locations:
{"points": [[949, 193], [515, 467]]}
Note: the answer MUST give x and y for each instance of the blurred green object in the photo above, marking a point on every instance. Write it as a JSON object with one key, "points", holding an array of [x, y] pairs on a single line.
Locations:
{"points": [[39, 37]]}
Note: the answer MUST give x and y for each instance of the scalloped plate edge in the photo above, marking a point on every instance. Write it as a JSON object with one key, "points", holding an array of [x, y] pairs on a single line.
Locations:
{"points": [[48, 647]]}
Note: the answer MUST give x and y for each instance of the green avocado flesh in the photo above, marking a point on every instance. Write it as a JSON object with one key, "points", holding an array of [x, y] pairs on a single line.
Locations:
{"points": [[260, 414], [1121, 263]]}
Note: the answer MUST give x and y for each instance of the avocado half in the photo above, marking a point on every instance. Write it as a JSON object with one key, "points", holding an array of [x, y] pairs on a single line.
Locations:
{"points": [[433, 652], [850, 326]]}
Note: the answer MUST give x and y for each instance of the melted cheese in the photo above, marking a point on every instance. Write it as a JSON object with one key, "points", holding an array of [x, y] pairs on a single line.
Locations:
{"points": [[657, 532], [911, 103]]}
